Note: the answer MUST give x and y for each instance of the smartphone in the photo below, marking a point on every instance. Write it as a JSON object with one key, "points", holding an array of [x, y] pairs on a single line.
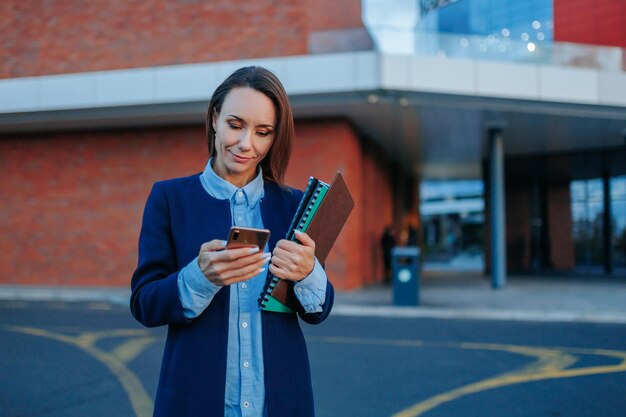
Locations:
{"points": [[241, 237]]}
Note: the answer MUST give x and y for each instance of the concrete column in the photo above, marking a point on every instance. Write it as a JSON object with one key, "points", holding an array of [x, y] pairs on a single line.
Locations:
{"points": [[607, 232], [536, 224], [497, 221]]}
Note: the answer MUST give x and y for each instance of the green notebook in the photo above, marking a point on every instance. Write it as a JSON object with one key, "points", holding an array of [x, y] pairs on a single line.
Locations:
{"points": [[321, 214]]}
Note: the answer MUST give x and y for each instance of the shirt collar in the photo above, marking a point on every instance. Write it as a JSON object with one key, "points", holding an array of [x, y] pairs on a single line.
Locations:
{"points": [[221, 189]]}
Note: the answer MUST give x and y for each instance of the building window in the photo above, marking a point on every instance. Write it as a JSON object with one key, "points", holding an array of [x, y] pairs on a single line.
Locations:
{"points": [[587, 212], [618, 212], [453, 219], [587, 198]]}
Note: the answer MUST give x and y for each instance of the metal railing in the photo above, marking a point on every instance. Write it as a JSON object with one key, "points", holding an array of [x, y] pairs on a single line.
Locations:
{"points": [[499, 48]]}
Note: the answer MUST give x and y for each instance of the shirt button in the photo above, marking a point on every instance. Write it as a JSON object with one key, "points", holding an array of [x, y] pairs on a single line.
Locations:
{"points": [[239, 218], [246, 404], [244, 324], [239, 193], [244, 285], [299, 289], [246, 364]]}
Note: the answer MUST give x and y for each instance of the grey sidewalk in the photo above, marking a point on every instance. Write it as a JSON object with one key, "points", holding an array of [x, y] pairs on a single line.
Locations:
{"points": [[455, 294], [443, 294]]}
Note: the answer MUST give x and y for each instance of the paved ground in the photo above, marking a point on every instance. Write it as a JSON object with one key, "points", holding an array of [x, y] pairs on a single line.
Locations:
{"points": [[540, 346], [75, 359]]}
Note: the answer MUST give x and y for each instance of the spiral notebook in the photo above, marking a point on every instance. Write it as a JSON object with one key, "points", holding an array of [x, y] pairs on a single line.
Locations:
{"points": [[321, 214]]}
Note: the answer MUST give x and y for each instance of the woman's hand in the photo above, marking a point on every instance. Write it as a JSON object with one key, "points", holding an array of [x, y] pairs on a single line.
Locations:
{"points": [[293, 261], [229, 266]]}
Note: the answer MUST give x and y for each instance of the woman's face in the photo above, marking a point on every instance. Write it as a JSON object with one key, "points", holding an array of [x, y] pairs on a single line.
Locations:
{"points": [[244, 132]]}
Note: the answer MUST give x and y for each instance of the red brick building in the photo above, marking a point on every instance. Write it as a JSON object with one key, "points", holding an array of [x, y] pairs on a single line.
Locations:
{"points": [[100, 99], [73, 197]]}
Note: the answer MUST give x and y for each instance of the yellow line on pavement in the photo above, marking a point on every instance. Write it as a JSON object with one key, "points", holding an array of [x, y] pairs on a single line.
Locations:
{"points": [[140, 401], [550, 364], [89, 338], [130, 349]]}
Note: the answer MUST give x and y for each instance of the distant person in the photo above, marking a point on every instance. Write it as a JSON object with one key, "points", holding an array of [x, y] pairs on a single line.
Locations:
{"points": [[224, 356], [387, 242], [412, 238]]}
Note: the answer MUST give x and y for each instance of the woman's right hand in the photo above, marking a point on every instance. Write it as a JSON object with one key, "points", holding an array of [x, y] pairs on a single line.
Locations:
{"points": [[228, 266]]}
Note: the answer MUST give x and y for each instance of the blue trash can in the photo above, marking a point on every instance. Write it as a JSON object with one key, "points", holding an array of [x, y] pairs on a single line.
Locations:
{"points": [[405, 271]]}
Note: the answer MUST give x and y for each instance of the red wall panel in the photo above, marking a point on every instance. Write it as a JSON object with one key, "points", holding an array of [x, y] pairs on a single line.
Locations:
{"points": [[601, 22]]}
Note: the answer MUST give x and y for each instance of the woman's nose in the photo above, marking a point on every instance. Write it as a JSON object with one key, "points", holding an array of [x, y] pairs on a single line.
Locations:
{"points": [[245, 140]]}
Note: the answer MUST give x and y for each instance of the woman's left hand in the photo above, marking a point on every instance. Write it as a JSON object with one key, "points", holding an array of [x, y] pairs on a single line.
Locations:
{"points": [[293, 261]]}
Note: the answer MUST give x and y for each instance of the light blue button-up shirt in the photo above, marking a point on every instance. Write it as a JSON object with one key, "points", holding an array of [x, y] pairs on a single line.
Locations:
{"points": [[245, 388]]}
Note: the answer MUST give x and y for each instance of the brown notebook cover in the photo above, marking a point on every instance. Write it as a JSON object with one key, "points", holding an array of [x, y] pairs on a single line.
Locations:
{"points": [[324, 229]]}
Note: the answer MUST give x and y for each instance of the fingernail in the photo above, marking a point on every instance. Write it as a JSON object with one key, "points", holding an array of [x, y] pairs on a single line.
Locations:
{"points": [[254, 250], [266, 255], [297, 231], [266, 259], [261, 270]]}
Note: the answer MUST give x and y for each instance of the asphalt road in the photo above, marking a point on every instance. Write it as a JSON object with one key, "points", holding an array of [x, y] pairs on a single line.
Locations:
{"points": [[93, 359]]}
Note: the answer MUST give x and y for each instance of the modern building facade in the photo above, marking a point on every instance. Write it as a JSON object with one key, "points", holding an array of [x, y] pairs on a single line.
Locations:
{"points": [[98, 100]]}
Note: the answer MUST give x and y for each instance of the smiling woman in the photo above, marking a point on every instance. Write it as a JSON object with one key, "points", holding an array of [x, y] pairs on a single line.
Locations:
{"points": [[223, 354], [242, 140], [264, 110]]}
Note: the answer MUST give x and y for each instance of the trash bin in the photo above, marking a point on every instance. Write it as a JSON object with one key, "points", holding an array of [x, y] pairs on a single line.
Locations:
{"points": [[405, 272]]}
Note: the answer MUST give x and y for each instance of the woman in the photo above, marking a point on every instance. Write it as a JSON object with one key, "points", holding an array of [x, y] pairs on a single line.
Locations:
{"points": [[223, 355]]}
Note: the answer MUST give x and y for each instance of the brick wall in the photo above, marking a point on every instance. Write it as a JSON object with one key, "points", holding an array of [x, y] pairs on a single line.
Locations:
{"points": [[322, 148], [66, 36], [518, 227], [378, 212], [560, 227], [72, 202], [333, 14]]}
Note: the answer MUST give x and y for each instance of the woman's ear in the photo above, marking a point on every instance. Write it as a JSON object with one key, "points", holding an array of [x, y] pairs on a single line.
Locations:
{"points": [[214, 121]]}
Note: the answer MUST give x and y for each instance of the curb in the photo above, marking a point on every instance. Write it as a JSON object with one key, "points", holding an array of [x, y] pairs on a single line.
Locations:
{"points": [[478, 314], [116, 296], [121, 296]]}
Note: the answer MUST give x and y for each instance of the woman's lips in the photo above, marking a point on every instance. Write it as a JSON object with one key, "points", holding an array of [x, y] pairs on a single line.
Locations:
{"points": [[239, 158]]}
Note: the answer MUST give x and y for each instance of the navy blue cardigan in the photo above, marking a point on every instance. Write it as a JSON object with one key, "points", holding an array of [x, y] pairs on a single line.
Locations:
{"points": [[178, 218]]}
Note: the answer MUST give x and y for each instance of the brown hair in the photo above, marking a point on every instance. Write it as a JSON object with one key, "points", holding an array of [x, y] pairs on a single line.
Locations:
{"points": [[260, 79]]}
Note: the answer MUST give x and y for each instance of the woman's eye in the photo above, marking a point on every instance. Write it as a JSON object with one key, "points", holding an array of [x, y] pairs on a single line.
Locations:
{"points": [[234, 126], [264, 133]]}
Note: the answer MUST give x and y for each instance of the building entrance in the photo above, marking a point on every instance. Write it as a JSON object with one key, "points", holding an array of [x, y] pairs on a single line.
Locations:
{"points": [[452, 214]]}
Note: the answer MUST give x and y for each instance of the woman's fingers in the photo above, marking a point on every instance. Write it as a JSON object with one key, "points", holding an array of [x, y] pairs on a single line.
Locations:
{"points": [[286, 260], [230, 265], [305, 239], [213, 245], [245, 273], [293, 261], [229, 269]]}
